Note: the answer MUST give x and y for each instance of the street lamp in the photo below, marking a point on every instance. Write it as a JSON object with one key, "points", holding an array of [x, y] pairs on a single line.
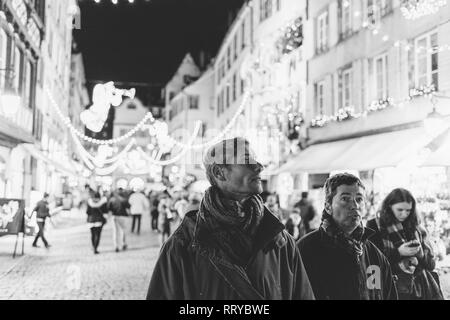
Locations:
{"points": [[434, 123], [10, 100]]}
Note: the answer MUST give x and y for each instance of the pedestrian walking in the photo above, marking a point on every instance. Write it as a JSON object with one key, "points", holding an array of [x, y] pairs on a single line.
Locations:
{"points": [[233, 247], [42, 213], [405, 243], [341, 262], [138, 205], [155, 213], [119, 207], [97, 208], [307, 211]]}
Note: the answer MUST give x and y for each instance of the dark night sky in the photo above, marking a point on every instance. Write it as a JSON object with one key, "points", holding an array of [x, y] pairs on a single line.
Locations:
{"points": [[146, 41]]}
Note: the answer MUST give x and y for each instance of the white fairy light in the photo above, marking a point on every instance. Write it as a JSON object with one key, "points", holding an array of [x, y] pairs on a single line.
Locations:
{"points": [[414, 9]]}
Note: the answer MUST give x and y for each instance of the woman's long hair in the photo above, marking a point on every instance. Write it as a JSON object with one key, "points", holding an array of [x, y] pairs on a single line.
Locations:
{"points": [[387, 217]]}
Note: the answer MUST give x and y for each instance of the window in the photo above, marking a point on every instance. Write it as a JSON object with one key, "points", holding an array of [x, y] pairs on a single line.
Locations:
{"points": [[228, 58], [427, 63], [228, 95], [218, 105], [376, 9], [278, 5], [265, 9], [28, 84], [320, 91], [381, 77], [18, 69], [234, 84], [346, 18], [242, 86], [243, 35], [322, 32], [193, 102], [3, 54], [235, 43], [346, 88]]}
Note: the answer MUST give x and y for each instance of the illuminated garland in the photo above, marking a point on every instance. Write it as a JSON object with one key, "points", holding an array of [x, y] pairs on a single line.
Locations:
{"points": [[414, 9], [68, 123], [349, 112]]}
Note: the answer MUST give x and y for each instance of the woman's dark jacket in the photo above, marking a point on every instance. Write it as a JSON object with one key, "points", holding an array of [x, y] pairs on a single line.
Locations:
{"points": [[335, 274], [95, 211], [190, 267]]}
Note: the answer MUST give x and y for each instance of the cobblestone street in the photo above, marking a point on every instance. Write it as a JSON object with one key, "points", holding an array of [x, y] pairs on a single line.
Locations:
{"points": [[70, 270]]}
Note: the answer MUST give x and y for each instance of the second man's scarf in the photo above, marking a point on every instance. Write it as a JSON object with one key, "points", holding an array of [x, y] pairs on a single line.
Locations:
{"points": [[233, 233], [352, 244]]}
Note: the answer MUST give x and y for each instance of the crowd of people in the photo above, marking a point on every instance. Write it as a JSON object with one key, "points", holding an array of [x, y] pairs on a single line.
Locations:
{"points": [[165, 208], [235, 241], [239, 244]]}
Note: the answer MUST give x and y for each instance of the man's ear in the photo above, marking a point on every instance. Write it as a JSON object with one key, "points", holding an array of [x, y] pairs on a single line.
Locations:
{"points": [[218, 173]]}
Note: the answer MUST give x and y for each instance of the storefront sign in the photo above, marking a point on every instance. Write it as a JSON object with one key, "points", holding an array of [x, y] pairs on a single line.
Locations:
{"points": [[12, 214]]}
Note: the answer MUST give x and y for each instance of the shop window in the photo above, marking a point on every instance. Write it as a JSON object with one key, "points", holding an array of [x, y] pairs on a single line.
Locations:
{"points": [[317, 181]]}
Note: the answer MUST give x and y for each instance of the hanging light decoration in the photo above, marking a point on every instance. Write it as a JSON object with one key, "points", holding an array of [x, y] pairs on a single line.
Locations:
{"points": [[414, 9]]}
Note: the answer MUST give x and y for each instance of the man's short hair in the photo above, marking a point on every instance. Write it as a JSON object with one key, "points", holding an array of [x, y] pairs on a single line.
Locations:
{"points": [[304, 194], [46, 195], [337, 180], [225, 153]]}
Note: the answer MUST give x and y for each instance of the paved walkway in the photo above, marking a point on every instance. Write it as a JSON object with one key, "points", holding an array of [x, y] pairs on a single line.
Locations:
{"points": [[70, 270]]}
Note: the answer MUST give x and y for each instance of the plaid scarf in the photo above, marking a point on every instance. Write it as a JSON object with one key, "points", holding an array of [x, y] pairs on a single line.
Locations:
{"points": [[394, 236], [230, 230], [352, 244]]}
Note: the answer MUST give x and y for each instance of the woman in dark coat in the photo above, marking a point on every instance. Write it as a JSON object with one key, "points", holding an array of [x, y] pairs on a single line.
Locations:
{"points": [[96, 209], [400, 237]]}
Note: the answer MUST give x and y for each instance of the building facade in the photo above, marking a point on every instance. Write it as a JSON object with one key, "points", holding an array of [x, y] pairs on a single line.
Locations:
{"points": [[22, 28], [371, 78]]}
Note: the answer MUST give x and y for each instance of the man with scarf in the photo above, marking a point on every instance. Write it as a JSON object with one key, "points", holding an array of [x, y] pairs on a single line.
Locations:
{"points": [[233, 247], [341, 262]]}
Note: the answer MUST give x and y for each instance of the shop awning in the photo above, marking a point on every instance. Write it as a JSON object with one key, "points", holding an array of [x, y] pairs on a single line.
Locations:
{"points": [[441, 156], [363, 153], [31, 149]]}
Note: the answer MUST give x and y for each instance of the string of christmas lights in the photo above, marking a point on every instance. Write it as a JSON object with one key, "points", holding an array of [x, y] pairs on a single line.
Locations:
{"points": [[187, 147], [68, 123], [349, 112]]}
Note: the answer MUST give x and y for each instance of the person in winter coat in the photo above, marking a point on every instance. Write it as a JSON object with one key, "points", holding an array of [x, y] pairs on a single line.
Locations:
{"points": [[307, 211], [97, 208], [119, 207], [233, 247], [405, 243], [138, 205], [341, 262], [42, 213]]}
